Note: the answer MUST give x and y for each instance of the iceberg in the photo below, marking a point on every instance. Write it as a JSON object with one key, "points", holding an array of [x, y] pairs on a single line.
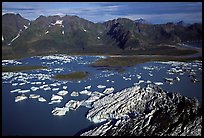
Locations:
{"points": [[158, 83], [85, 92], [41, 99], [34, 96], [108, 90], [60, 111], [74, 93], [62, 93], [55, 101], [23, 91], [87, 87], [56, 97], [20, 98], [101, 86], [73, 105], [16, 90]]}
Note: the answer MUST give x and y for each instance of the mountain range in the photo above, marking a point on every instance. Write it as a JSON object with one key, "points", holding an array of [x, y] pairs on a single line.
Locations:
{"points": [[72, 34]]}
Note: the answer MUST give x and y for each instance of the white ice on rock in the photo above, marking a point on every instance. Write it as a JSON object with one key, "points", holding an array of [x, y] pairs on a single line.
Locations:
{"points": [[26, 27], [118, 105], [2, 38], [98, 37], [108, 90], [58, 22], [14, 38], [62, 32]]}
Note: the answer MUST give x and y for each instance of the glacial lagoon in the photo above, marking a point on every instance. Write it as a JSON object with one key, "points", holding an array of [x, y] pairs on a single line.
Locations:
{"points": [[34, 116]]}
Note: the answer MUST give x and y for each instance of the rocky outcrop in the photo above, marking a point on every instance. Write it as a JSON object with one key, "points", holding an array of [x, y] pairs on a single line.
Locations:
{"points": [[146, 111]]}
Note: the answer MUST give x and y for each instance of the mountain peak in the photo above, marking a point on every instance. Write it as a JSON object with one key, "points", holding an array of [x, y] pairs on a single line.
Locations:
{"points": [[141, 21], [182, 23]]}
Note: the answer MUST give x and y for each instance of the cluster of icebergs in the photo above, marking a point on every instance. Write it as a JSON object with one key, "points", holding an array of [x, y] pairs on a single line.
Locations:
{"points": [[180, 68], [10, 62], [73, 104]]}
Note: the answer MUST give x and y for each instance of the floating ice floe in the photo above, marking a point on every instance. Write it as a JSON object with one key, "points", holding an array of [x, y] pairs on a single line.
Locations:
{"points": [[16, 90], [56, 97], [64, 87], [85, 92], [34, 88], [23, 91], [20, 98], [62, 32], [73, 105], [47, 88], [62, 93], [46, 32], [108, 90], [74, 93], [60, 111], [21, 83], [41, 99], [85, 30], [11, 62], [55, 89], [42, 87], [138, 76], [55, 101], [14, 84], [101, 86], [158, 83], [126, 78], [34, 96], [150, 74], [87, 87], [98, 37], [140, 81]]}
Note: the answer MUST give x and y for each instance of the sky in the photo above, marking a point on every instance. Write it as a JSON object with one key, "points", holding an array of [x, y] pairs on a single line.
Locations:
{"points": [[152, 12]]}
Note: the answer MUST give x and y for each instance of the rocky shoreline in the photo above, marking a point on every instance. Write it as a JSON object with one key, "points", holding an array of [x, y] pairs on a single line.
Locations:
{"points": [[148, 111]]}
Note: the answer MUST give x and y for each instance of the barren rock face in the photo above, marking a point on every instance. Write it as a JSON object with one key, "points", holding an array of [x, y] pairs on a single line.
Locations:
{"points": [[145, 112]]}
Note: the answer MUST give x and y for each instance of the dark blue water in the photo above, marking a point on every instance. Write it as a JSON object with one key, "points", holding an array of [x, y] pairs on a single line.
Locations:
{"points": [[31, 117]]}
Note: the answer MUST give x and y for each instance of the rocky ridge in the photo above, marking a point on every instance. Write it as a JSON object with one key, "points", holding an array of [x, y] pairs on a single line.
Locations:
{"points": [[146, 111]]}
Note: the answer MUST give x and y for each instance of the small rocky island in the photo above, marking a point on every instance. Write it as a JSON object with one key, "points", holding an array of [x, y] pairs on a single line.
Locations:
{"points": [[148, 111]]}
